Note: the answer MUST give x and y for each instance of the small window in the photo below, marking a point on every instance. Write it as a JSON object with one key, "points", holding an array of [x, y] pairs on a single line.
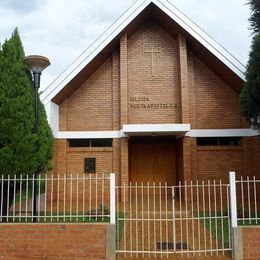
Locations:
{"points": [[232, 141], [90, 165], [218, 141], [79, 142], [207, 141], [103, 142]]}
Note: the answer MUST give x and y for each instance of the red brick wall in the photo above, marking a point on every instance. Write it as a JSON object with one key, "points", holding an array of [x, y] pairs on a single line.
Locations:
{"points": [[214, 162], [76, 156], [102, 103], [90, 106], [251, 243], [216, 103], [163, 87], [53, 241]]}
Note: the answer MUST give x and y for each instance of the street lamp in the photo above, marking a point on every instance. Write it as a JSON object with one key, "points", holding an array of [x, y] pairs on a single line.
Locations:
{"points": [[36, 64]]}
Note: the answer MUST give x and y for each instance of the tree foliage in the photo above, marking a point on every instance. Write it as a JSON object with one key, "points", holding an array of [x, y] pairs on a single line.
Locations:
{"points": [[255, 15], [21, 151], [250, 95]]}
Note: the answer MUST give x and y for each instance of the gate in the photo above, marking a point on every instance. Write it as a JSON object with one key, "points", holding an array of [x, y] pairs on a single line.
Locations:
{"points": [[156, 220]]}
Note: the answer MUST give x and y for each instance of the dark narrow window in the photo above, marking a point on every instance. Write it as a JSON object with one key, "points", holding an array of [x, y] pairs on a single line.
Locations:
{"points": [[218, 141], [90, 165], [207, 141], [232, 141], [102, 142], [79, 142]]}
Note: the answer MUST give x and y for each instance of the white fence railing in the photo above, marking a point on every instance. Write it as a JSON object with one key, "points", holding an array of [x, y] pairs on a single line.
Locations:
{"points": [[245, 200], [191, 219], [59, 198]]}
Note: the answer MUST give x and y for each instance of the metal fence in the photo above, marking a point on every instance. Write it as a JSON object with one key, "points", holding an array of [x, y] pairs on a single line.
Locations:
{"points": [[191, 219], [59, 198], [245, 197]]}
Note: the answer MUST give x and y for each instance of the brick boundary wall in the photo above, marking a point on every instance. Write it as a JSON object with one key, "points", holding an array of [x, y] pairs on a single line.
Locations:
{"points": [[247, 243], [57, 241]]}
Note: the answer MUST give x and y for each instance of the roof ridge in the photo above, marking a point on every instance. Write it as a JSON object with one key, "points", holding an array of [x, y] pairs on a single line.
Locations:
{"points": [[121, 23]]}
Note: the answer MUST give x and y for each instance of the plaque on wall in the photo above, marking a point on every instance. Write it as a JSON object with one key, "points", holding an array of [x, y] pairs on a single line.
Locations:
{"points": [[90, 165]]}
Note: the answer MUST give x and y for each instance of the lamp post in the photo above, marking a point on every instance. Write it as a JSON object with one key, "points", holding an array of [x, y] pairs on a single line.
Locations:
{"points": [[36, 64]]}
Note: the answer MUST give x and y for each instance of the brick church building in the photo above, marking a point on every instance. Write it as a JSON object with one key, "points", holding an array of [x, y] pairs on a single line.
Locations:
{"points": [[153, 99]]}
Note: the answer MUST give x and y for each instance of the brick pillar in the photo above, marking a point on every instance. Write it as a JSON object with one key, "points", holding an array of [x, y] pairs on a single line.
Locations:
{"points": [[124, 167], [184, 98], [63, 112], [59, 166], [124, 160], [123, 80], [116, 114], [123, 107], [115, 91], [117, 159], [183, 73]]}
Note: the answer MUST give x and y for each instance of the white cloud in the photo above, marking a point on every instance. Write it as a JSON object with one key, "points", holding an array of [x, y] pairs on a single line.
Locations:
{"points": [[63, 29]]}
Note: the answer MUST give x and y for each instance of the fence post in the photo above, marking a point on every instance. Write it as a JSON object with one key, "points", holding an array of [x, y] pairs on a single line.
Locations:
{"points": [[233, 209], [112, 198], [233, 199]]}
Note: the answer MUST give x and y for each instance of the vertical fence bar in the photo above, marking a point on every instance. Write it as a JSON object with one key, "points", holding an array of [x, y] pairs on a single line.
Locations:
{"points": [[58, 198], [20, 198], [33, 197], [148, 222], [233, 206], [249, 201], [45, 198], [124, 187], [242, 199], [64, 197], [2, 199], [77, 198], [112, 198], [233, 199], [8, 192], [102, 197], [14, 202], [142, 221], [39, 196], [26, 199], [96, 196], [83, 197], [136, 220], [254, 182]]}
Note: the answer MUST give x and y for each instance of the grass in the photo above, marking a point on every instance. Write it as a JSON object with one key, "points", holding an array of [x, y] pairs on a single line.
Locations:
{"points": [[119, 226], [214, 225]]}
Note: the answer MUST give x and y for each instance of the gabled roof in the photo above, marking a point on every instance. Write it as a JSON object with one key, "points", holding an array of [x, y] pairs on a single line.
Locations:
{"points": [[111, 33]]}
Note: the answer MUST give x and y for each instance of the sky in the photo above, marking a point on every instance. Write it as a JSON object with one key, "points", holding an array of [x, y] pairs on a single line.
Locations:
{"points": [[62, 29]]}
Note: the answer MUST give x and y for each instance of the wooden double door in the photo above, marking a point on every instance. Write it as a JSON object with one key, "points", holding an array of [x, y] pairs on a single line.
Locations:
{"points": [[153, 159]]}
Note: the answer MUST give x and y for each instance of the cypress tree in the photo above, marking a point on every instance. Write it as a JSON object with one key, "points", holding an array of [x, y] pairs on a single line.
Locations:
{"points": [[21, 151], [250, 95]]}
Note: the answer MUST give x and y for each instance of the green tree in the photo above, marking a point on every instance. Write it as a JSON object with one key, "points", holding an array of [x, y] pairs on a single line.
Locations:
{"points": [[250, 95], [255, 15], [21, 151]]}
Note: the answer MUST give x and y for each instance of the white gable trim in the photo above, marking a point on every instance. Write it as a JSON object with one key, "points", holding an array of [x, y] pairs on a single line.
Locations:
{"points": [[89, 54], [85, 58]]}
